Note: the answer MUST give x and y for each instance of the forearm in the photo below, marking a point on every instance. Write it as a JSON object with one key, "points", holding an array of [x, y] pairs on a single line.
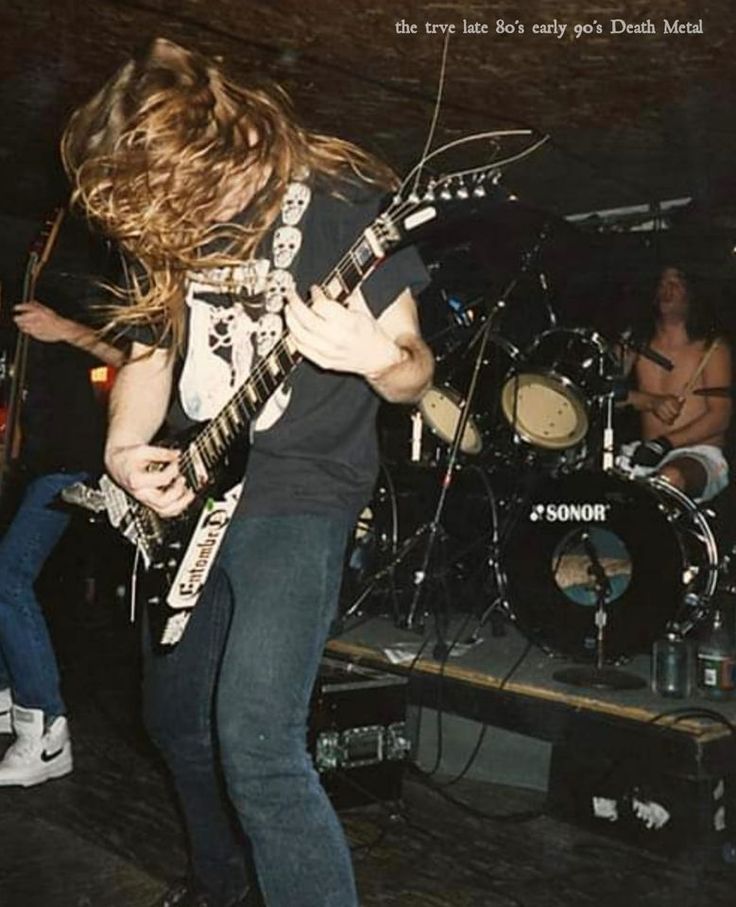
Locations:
{"points": [[642, 401], [410, 376], [86, 338], [139, 399]]}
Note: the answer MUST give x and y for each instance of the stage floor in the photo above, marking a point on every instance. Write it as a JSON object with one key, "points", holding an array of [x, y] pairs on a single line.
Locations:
{"points": [[108, 835], [477, 675]]}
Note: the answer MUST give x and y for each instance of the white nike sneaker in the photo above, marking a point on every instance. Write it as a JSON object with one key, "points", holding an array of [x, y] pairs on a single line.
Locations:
{"points": [[6, 703], [36, 755]]}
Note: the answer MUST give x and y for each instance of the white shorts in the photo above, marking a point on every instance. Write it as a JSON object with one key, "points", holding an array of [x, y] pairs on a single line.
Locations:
{"points": [[709, 456]]}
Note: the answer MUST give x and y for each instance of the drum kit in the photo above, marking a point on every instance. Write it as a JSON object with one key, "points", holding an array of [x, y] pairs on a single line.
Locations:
{"points": [[499, 498]]}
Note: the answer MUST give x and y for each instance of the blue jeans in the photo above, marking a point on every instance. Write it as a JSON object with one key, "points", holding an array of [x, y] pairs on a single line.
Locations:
{"points": [[234, 698], [27, 660]]}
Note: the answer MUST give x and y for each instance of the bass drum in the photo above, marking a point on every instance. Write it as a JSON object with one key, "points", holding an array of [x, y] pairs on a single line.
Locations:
{"points": [[655, 546]]}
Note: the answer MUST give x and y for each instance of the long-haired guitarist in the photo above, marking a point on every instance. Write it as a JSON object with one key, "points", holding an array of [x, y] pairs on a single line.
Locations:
{"points": [[231, 214]]}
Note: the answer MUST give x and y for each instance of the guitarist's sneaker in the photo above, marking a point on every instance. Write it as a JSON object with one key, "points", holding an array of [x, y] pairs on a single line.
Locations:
{"points": [[6, 704], [37, 754]]}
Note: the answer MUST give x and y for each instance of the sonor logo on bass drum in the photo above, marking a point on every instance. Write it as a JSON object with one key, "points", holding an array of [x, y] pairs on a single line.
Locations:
{"points": [[569, 513]]}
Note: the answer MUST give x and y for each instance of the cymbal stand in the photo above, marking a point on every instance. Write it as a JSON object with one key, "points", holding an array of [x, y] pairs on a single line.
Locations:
{"points": [[608, 446], [421, 575], [386, 571], [481, 339]]}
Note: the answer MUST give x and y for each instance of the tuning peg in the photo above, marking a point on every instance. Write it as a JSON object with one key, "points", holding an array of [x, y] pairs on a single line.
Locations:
{"points": [[462, 191], [413, 198], [479, 191], [429, 195], [446, 193]]}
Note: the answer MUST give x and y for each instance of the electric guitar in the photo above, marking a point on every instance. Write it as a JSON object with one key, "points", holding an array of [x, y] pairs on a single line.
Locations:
{"points": [[37, 260], [179, 552]]}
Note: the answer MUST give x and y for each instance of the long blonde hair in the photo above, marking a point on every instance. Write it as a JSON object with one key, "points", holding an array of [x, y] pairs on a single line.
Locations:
{"points": [[155, 152]]}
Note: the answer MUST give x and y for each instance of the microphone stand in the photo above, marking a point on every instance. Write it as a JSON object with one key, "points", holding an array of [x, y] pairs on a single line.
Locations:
{"points": [[433, 527], [481, 338], [598, 676]]}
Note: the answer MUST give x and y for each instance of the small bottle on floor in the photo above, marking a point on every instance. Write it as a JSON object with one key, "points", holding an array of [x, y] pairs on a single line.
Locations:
{"points": [[672, 664], [716, 659]]}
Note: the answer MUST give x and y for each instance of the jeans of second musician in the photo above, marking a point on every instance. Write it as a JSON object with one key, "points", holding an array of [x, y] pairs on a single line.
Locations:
{"points": [[27, 661], [283, 575]]}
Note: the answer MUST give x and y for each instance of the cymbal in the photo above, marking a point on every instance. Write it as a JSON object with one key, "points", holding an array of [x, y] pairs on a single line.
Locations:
{"points": [[716, 391]]}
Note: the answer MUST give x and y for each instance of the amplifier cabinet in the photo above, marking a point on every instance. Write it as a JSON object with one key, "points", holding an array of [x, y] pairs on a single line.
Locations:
{"points": [[357, 733]]}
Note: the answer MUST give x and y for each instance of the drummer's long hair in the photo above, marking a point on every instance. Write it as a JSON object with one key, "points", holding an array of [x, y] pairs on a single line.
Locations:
{"points": [[153, 154], [701, 322]]}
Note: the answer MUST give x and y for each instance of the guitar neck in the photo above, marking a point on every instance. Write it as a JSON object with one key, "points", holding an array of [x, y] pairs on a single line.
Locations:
{"points": [[210, 446], [37, 260], [18, 369]]}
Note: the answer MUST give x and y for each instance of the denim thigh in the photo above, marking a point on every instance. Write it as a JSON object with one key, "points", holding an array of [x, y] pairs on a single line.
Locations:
{"points": [[284, 572]]}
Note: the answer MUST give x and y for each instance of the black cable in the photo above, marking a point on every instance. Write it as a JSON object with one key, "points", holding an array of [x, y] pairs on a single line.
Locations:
{"points": [[521, 816], [681, 714], [474, 755], [440, 744]]}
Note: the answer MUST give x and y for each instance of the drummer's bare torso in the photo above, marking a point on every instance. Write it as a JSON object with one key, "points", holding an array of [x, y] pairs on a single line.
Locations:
{"points": [[685, 356]]}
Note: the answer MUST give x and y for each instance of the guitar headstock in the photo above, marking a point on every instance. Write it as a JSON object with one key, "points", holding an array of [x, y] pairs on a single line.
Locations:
{"points": [[428, 196], [43, 242]]}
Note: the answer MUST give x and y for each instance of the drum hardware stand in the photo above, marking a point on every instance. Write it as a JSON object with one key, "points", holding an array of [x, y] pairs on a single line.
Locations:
{"points": [[500, 604], [598, 676], [609, 447], [385, 571], [481, 338]]}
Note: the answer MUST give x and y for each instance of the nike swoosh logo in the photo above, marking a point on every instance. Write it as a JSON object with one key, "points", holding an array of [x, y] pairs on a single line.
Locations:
{"points": [[49, 757]]}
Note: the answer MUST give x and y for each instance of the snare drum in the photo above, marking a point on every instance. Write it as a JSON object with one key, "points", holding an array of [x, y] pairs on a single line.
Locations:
{"points": [[654, 544], [548, 398]]}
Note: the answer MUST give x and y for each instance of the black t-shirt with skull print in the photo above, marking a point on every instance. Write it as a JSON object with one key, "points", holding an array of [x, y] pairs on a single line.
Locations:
{"points": [[313, 447]]}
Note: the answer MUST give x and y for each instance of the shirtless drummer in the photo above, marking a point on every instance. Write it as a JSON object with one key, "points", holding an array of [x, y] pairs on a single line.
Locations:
{"points": [[683, 432]]}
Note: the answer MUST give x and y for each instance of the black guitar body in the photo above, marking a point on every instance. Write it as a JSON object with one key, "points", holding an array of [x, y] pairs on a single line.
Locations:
{"points": [[184, 548]]}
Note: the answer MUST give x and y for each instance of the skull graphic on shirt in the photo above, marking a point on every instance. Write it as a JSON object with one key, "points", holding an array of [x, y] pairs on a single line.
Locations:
{"points": [[228, 338]]}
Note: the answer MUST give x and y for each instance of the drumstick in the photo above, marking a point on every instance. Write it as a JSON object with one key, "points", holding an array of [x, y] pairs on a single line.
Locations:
{"points": [[687, 390]]}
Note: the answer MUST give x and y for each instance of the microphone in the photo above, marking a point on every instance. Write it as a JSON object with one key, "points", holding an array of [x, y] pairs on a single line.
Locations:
{"points": [[646, 351]]}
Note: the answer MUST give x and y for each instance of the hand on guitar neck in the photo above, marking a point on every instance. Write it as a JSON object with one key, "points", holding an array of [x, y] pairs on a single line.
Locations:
{"points": [[42, 323]]}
